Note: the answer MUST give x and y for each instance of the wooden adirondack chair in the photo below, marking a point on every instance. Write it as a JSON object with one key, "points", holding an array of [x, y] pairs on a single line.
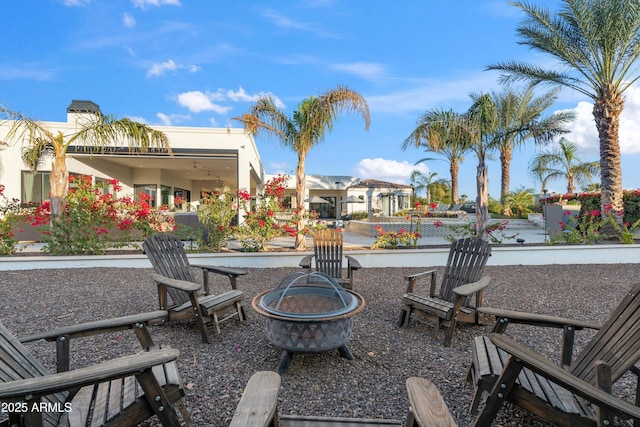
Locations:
{"points": [[462, 280], [327, 249], [174, 277], [122, 392], [574, 393], [259, 401]]}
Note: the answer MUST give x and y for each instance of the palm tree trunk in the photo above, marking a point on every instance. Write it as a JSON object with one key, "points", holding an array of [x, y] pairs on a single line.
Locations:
{"points": [[505, 165], [454, 169], [482, 201], [59, 182], [606, 111], [301, 243]]}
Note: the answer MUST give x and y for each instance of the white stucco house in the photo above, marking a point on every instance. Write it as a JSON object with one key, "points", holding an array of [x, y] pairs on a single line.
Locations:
{"points": [[337, 196], [203, 159]]}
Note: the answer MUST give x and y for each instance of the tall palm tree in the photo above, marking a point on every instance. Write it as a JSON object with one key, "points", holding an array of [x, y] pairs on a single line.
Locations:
{"points": [[96, 133], [439, 131], [519, 121], [564, 163], [597, 43], [482, 124], [421, 182], [312, 119]]}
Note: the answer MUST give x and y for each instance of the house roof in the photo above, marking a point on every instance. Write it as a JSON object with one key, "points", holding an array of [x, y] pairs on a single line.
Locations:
{"points": [[374, 183]]}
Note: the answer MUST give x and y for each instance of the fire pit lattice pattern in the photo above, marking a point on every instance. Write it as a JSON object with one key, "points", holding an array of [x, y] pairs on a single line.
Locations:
{"points": [[308, 313]]}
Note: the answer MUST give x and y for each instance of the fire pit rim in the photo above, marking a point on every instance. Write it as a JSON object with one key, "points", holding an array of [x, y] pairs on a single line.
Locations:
{"points": [[255, 304]]}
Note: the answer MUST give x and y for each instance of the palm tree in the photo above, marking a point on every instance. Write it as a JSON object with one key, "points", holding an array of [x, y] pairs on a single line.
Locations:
{"points": [[597, 44], [519, 121], [441, 191], [482, 124], [439, 131], [563, 162], [421, 182], [539, 173], [96, 133], [521, 199], [305, 129]]}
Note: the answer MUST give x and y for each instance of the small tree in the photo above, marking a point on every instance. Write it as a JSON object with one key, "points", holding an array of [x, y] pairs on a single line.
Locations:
{"points": [[521, 200]]}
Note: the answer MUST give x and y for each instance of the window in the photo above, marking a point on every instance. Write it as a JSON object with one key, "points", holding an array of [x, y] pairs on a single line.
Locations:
{"points": [[150, 189], [404, 201], [165, 195], [35, 188]]}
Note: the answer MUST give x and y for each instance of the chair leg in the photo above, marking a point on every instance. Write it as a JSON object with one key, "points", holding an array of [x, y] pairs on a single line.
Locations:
{"points": [[241, 314], [216, 322], [197, 313], [436, 327], [405, 313], [186, 417], [403, 316]]}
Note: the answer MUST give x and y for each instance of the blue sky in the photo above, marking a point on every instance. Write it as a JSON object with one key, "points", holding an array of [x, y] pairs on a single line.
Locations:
{"points": [[201, 63]]}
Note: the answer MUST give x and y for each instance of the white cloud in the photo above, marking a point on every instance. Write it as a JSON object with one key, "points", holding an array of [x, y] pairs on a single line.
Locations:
{"points": [[128, 20], [279, 168], [365, 70], [424, 94], [169, 65], [242, 96], [76, 2], [583, 130], [172, 119], [142, 4], [282, 21], [164, 119], [137, 119], [388, 170], [197, 102]]}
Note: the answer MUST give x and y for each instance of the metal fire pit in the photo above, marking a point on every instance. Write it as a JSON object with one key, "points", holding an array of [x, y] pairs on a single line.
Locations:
{"points": [[308, 313]]}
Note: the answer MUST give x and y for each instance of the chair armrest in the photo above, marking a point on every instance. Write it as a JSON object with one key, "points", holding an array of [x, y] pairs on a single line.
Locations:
{"points": [[428, 407], [416, 275], [562, 377], [258, 404], [412, 278], [471, 288], [112, 369], [225, 271], [98, 326], [536, 319], [183, 285], [306, 262], [353, 264]]}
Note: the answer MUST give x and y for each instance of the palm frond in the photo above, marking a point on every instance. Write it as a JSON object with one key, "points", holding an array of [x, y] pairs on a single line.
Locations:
{"points": [[100, 132]]}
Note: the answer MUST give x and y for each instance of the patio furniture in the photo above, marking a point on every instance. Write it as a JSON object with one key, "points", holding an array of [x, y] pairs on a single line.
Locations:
{"points": [[577, 393], [327, 255], [175, 279], [258, 407], [462, 280], [123, 391], [308, 313]]}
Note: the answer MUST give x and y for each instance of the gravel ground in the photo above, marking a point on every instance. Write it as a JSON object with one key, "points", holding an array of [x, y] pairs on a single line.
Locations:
{"points": [[371, 385]]}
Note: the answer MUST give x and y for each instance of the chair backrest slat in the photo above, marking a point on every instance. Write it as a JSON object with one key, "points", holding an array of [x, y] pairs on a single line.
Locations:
{"points": [[617, 342], [16, 363], [467, 259], [327, 246], [168, 257]]}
